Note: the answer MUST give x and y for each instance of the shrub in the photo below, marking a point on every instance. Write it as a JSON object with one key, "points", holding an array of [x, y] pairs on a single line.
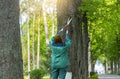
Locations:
{"points": [[93, 75], [37, 74]]}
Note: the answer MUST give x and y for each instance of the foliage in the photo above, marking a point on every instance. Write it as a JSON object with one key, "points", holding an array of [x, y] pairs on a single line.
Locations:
{"points": [[103, 17], [93, 75], [37, 73]]}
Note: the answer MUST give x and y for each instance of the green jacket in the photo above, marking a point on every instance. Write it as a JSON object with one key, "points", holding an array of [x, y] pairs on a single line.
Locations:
{"points": [[60, 54]]}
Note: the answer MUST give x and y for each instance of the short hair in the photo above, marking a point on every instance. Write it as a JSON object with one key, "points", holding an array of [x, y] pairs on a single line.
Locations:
{"points": [[58, 39]]}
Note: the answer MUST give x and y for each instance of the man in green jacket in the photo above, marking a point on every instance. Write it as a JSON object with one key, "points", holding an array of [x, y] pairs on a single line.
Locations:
{"points": [[60, 59]]}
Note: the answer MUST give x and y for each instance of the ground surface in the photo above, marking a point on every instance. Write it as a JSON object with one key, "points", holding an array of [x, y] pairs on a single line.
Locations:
{"points": [[109, 76]]}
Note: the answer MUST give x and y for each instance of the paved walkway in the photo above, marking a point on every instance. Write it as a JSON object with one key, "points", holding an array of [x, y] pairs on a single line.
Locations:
{"points": [[109, 76]]}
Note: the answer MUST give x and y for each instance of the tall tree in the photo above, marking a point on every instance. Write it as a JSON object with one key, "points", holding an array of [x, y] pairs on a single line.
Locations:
{"points": [[10, 46]]}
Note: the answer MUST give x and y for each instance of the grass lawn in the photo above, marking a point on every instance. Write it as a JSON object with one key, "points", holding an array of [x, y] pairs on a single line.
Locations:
{"points": [[45, 77]]}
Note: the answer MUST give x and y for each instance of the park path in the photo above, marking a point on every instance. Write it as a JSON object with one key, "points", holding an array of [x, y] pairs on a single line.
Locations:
{"points": [[109, 76]]}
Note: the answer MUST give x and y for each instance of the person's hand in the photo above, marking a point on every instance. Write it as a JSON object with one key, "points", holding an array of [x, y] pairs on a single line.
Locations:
{"points": [[67, 37], [67, 31], [66, 26]]}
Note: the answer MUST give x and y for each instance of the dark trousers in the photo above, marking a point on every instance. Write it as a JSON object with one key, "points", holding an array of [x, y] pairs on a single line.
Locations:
{"points": [[59, 73]]}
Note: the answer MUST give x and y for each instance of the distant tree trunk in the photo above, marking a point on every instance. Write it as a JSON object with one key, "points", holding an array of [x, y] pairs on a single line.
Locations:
{"points": [[28, 39], [119, 65], [66, 9], [92, 66], [89, 60], [33, 42], [105, 66], [38, 47], [53, 25], [111, 66], [115, 66], [11, 63], [28, 49], [45, 24]]}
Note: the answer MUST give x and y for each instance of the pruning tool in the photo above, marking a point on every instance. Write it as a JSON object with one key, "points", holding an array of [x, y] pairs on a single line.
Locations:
{"points": [[68, 22]]}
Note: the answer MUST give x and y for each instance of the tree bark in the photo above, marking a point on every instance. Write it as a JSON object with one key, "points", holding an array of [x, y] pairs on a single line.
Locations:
{"points": [[85, 44], [11, 63], [66, 9]]}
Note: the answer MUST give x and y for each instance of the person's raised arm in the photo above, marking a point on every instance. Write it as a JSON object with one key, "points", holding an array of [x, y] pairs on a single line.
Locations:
{"points": [[51, 41], [68, 41]]}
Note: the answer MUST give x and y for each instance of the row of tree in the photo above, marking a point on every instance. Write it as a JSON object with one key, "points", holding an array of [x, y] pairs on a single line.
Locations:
{"points": [[98, 19], [94, 31], [104, 32], [38, 26]]}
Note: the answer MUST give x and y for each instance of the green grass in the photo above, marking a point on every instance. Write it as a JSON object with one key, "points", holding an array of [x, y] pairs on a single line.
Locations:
{"points": [[45, 77]]}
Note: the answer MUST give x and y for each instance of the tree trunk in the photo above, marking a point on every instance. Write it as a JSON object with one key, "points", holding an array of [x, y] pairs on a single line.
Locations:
{"points": [[92, 66], [66, 9], [115, 66], [85, 45], [45, 24], [105, 66], [119, 65], [28, 49], [89, 60], [38, 48], [53, 23], [28, 38], [111, 66], [11, 64], [33, 42]]}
